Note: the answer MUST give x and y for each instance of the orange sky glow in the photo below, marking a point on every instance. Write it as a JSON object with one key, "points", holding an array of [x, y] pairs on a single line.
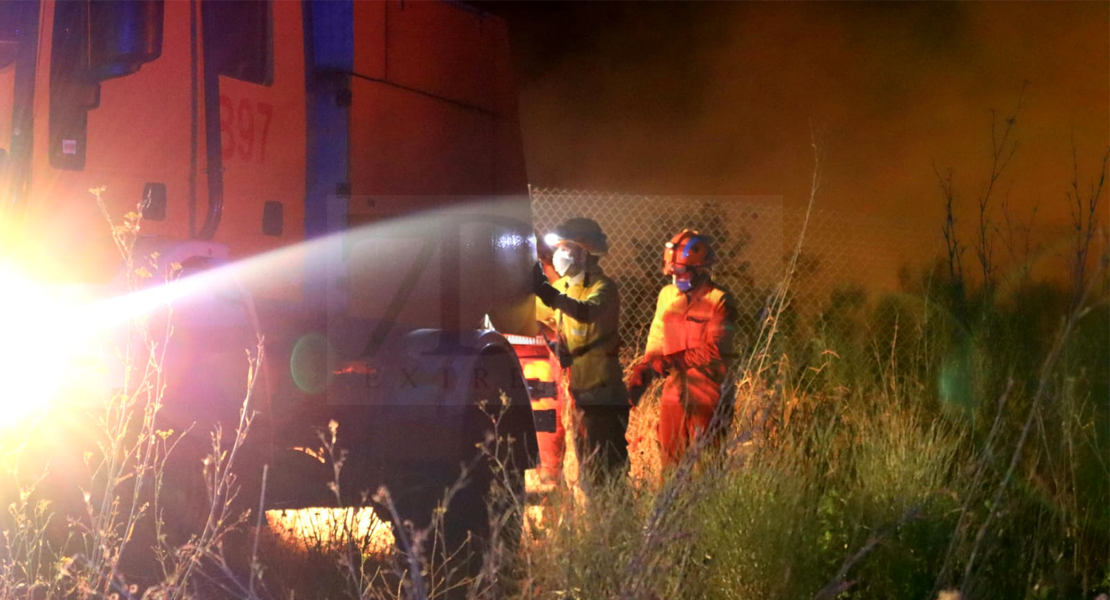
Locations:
{"points": [[722, 98]]}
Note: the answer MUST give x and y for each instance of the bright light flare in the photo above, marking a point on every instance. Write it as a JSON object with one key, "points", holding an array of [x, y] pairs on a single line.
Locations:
{"points": [[46, 345], [552, 240], [49, 337]]}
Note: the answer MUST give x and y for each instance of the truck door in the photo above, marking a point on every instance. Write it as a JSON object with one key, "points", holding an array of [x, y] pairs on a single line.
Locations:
{"points": [[255, 102], [112, 105], [18, 43], [195, 110]]}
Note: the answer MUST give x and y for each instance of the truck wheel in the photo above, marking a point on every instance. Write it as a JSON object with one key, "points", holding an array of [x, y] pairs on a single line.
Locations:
{"points": [[484, 515], [489, 508], [498, 493], [484, 507], [183, 500], [483, 522], [183, 506]]}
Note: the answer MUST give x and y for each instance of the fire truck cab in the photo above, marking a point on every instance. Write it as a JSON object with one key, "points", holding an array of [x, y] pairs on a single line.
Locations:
{"points": [[344, 179]]}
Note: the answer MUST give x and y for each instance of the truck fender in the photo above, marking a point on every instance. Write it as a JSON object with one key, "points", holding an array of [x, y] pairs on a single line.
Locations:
{"points": [[443, 385]]}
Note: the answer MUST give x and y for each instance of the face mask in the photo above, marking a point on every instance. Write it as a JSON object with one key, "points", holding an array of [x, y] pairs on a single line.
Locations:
{"points": [[683, 282], [688, 280], [563, 262]]}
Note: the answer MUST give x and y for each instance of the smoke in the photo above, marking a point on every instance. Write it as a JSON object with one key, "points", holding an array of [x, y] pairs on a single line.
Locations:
{"points": [[723, 98]]}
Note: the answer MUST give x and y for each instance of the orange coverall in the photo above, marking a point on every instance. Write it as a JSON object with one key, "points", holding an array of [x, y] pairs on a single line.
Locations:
{"points": [[693, 333]]}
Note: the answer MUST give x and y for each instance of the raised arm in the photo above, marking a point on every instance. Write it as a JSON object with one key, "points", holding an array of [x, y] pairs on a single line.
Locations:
{"points": [[589, 310]]}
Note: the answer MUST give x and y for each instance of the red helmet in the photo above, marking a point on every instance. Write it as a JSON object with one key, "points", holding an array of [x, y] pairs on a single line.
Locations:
{"points": [[686, 251]]}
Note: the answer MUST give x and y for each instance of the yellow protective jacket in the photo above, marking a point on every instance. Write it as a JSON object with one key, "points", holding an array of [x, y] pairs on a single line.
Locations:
{"points": [[586, 315], [695, 335]]}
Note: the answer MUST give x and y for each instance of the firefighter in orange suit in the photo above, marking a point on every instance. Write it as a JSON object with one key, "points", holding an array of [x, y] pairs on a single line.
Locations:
{"points": [[690, 343], [583, 309]]}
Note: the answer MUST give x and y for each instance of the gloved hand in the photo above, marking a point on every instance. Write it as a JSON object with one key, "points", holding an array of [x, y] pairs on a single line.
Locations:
{"points": [[639, 380], [641, 375], [538, 276], [540, 286]]}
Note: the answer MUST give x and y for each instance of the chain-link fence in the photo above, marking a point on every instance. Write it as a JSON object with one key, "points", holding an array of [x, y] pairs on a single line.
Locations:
{"points": [[754, 237]]}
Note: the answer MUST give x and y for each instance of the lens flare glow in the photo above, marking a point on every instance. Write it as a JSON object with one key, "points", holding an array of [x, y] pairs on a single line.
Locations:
{"points": [[51, 340], [46, 345]]}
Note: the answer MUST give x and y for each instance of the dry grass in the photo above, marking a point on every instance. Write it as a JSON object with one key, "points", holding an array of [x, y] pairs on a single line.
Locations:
{"points": [[845, 475]]}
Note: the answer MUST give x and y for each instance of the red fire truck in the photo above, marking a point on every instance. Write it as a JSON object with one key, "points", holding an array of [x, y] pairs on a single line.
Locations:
{"points": [[343, 178]]}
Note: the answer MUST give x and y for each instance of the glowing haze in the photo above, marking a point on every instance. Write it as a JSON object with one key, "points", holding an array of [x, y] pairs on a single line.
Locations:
{"points": [[721, 98]]}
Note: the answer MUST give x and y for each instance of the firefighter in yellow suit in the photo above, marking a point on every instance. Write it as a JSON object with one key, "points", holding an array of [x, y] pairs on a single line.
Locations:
{"points": [[690, 343], [582, 307]]}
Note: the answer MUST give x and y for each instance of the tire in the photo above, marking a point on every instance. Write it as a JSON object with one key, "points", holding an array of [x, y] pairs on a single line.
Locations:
{"points": [[477, 511], [482, 525], [499, 468], [184, 505]]}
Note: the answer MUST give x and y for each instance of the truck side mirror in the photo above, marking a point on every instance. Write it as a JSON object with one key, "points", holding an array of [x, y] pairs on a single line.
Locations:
{"points": [[123, 35]]}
